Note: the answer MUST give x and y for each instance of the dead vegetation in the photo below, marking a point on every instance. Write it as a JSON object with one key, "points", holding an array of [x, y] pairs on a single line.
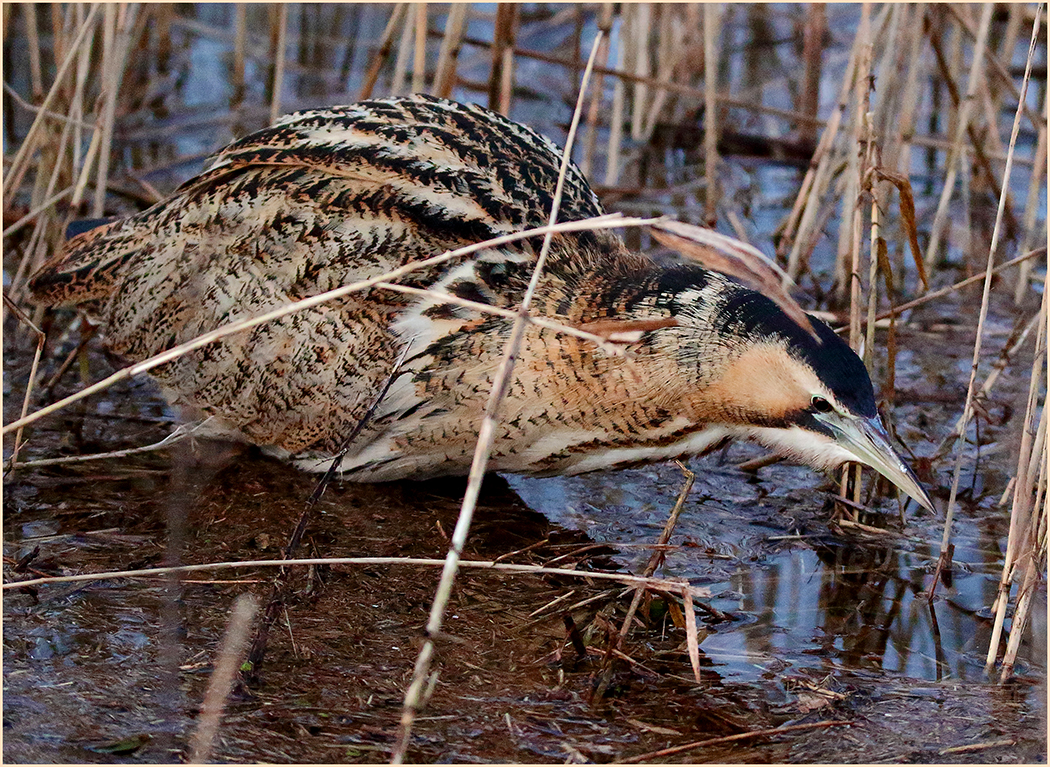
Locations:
{"points": [[924, 175]]}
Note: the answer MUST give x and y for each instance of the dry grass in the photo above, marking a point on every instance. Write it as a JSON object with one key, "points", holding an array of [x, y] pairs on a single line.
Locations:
{"points": [[933, 100]]}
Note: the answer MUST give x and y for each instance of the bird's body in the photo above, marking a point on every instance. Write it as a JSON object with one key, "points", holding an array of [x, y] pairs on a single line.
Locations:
{"points": [[334, 196]]}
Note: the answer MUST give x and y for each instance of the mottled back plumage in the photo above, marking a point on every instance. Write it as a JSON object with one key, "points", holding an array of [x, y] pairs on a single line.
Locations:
{"points": [[333, 196]]}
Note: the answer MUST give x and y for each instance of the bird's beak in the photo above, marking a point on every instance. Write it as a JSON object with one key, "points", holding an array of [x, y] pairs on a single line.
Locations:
{"points": [[866, 439]]}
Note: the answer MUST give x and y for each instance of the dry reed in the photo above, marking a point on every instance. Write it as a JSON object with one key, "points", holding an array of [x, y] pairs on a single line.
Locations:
{"points": [[91, 47], [486, 438], [967, 413]]}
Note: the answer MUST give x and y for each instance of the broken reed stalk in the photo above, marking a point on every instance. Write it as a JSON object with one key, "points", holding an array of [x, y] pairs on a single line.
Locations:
{"points": [[590, 141], [404, 50], [279, 55], [223, 677], [807, 204], [710, 114], [657, 556], [240, 40], [637, 45], [19, 165], [812, 59], [943, 560], [40, 339], [502, 51], [36, 76], [486, 438], [1032, 206], [419, 49], [386, 43], [859, 160], [1022, 544], [608, 221], [448, 54], [956, 155], [660, 584]]}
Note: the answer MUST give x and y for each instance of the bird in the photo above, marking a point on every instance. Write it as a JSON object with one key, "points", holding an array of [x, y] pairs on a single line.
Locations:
{"points": [[330, 196]]}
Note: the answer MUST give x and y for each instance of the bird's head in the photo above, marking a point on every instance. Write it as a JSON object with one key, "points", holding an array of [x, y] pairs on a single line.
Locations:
{"points": [[804, 395]]}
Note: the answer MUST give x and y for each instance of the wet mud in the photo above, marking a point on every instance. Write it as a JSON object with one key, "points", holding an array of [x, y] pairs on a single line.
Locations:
{"points": [[815, 623]]}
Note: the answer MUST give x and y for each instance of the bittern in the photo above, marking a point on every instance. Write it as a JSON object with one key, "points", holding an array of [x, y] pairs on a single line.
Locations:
{"points": [[333, 196]]}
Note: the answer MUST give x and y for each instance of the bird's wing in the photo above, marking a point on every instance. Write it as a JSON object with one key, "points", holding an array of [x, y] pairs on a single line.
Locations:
{"points": [[399, 178]]}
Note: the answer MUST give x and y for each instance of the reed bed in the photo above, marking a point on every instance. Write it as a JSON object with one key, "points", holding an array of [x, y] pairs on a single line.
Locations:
{"points": [[934, 120]]}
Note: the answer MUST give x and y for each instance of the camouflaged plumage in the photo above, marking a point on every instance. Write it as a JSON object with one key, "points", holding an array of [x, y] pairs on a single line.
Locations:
{"points": [[332, 196]]}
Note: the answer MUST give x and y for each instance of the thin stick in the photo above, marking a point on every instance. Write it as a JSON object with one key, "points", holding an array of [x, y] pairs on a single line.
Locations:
{"points": [[486, 437], [40, 339], [419, 60], [56, 116], [955, 156], [591, 140], [732, 739], [181, 433], [448, 298], [202, 742], [13, 177], [643, 17], [386, 43], [111, 85], [660, 584], [448, 55], [710, 114], [942, 561], [279, 61], [612, 161], [31, 215], [602, 222], [941, 292], [658, 555], [1015, 342], [1021, 492], [36, 77], [1032, 206]]}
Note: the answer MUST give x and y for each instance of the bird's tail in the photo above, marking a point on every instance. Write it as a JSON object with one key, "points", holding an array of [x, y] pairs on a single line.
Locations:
{"points": [[86, 268]]}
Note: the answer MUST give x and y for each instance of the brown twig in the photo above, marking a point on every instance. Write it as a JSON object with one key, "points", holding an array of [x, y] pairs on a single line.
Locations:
{"points": [[968, 406], [486, 437], [732, 739], [202, 742]]}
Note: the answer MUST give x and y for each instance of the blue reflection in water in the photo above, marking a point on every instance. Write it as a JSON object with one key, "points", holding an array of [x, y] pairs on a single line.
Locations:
{"points": [[810, 602]]}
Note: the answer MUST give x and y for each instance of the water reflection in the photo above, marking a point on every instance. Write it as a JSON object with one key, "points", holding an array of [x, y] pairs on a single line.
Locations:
{"points": [[806, 598]]}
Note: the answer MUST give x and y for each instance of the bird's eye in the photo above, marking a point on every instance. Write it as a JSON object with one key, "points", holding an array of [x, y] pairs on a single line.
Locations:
{"points": [[821, 405]]}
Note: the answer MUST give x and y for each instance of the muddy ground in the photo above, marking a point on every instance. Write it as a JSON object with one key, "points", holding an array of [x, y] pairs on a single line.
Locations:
{"points": [[116, 671]]}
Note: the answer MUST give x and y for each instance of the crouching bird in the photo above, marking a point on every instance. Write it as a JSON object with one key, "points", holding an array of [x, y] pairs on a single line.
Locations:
{"points": [[333, 196]]}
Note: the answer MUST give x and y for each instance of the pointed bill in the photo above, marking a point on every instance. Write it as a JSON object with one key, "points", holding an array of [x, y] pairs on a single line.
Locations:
{"points": [[867, 440]]}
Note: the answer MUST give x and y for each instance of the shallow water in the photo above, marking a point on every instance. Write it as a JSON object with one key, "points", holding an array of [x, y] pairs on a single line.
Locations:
{"points": [[825, 623]]}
